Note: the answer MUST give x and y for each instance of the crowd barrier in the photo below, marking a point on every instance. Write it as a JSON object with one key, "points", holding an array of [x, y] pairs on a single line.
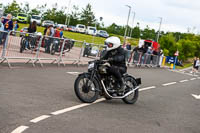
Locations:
{"points": [[139, 59], [34, 48], [37, 49]]}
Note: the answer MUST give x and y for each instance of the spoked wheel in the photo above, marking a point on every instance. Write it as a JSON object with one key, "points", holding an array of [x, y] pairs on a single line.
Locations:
{"points": [[85, 89], [130, 85], [22, 45], [53, 49]]}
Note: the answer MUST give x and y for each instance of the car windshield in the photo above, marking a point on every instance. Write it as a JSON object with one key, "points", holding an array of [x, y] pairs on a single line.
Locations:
{"points": [[22, 15], [81, 26], [103, 32], [36, 17], [50, 22], [92, 29]]}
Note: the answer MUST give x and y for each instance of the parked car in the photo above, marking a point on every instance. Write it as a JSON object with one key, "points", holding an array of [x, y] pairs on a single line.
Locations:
{"points": [[71, 28], [62, 26], [102, 33], [80, 28], [47, 23], [91, 30], [36, 18], [23, 18]]}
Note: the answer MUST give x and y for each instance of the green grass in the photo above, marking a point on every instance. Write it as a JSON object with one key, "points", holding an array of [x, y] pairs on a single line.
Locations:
{"points": [[82, 37], [185, 65]]}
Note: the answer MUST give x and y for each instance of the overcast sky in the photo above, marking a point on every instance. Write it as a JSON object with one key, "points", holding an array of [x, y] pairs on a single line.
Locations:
{"points": [[178, 15]]}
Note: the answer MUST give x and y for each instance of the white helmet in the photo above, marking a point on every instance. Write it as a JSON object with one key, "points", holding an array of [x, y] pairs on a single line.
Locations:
{"points": [[112, 43]]}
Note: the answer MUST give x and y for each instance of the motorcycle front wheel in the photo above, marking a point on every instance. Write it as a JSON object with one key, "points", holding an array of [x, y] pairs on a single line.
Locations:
{"points": [[85, 89], [130, 85]]}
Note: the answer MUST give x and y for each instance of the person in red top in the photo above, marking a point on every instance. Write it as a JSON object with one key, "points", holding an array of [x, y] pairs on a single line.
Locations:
{"points": [[57, 35], [57, 32]]}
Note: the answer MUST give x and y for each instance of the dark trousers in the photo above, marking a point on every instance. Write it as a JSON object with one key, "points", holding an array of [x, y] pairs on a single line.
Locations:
{"points": [[117, 72]]}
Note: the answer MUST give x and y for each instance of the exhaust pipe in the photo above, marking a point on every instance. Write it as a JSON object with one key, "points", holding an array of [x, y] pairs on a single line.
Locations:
{"points": [[118, 97]]}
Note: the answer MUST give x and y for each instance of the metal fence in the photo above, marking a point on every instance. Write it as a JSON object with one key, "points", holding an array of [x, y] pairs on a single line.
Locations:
{"points": [[139, 59], [36, 49]]}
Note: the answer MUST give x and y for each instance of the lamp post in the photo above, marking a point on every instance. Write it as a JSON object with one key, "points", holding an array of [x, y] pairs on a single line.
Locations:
{"points": [[127, 24], [67, 18], [132, 24], [159, 29]]}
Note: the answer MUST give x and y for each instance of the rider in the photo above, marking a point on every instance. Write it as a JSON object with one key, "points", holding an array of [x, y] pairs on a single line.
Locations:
{"points": [[115, 54]]}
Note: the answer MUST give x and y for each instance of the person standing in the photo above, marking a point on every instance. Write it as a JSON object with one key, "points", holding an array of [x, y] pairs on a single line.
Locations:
{"points": [[1, 30], [16, 26], [32, 27], [8, 23], [195, 65]]}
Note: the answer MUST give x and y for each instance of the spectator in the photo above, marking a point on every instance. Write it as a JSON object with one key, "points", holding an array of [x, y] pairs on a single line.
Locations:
{"points": [[48, 41], [128, 46], [196, 65], [32, 27], [57, 32], [8, 23], [16, 26], [61, 33], [1, 30]]}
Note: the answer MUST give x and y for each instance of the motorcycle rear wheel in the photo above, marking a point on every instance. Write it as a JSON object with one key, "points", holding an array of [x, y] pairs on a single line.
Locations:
{"points": [[131, 83], [83, 91]]}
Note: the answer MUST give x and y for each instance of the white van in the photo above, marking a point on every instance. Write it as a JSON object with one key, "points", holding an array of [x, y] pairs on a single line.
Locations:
{"points": [[80, 28], [91, 30], [36, 18]]}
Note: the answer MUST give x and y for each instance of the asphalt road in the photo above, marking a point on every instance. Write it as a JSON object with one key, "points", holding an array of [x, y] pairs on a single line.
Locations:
{"points": [[30, 97]]}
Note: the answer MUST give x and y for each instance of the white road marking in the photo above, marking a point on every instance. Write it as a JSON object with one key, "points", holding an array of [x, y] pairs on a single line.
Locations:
{"points": [[193, 79], [198, 77], [74, 73], [147, 88], [20, 129], [183, 81], [196, 96], [75, 107], [169, 83], [40, 118]]}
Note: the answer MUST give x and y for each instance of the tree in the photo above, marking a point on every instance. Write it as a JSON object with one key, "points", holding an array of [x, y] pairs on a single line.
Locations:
{"points": [[75, 15], [12, 8], [168, 44], [136, 31], [87, 16]]}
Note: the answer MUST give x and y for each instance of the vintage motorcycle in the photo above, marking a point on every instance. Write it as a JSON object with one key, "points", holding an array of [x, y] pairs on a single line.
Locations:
{"points": [[97, 82]]}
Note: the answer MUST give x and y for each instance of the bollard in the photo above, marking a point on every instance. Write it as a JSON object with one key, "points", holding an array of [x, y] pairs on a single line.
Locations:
{"points": [[164, 60], [172, 66]]}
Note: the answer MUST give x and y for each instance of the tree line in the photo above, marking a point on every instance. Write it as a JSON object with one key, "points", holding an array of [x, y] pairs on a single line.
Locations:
{"points": [[188, 44]]}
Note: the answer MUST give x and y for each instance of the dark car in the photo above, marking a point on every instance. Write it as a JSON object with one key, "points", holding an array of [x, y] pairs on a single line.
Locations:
{"points": [[102, 33]]}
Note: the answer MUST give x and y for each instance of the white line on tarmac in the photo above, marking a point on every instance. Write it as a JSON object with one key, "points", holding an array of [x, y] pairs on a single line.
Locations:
{"points": [[40, 118], [75, 107], [183, 81], [169, 83], [193, 79], [198, 77], [147, 88], [20, 129]]}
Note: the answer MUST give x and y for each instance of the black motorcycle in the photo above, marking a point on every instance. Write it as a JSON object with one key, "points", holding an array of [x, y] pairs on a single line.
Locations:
{"points": [[97, 82]]}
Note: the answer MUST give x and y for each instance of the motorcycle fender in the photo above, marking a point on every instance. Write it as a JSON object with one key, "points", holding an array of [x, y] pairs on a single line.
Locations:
{"points": [[138, 80]]}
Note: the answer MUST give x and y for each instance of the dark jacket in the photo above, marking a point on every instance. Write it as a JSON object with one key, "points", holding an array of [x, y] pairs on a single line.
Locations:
{"points": [[31, 30], [118, 57], [8, 25]]}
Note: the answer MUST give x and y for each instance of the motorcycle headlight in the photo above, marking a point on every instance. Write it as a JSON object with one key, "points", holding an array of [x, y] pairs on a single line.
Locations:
{"points": [[90, 66]]}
